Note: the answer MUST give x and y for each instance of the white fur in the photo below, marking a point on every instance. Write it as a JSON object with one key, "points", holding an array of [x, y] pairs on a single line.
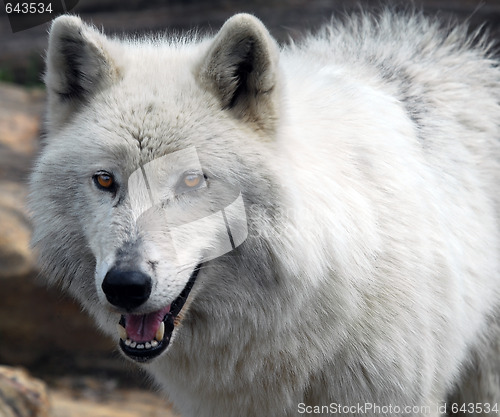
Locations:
{"points": [[369, 160]]}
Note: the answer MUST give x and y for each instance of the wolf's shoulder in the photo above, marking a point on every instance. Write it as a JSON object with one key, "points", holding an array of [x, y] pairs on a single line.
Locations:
{"points": [[399, 44], [367, 35]]}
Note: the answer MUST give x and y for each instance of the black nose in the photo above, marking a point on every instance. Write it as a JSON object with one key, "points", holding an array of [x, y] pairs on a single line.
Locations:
{"points": [[126, 289]]}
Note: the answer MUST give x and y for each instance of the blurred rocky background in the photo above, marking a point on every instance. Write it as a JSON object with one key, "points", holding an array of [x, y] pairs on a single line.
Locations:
{"points": [[53, 363]]}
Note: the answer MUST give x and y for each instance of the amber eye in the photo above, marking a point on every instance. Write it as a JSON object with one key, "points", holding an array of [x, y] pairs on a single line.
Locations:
{"points": [[192, 180], [104, 180]]}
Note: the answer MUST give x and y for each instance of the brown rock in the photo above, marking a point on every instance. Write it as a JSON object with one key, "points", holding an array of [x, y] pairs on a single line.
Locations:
{"points": [[122, 403], [21, 395], [16, 257], [20, 111], [48, 333]]}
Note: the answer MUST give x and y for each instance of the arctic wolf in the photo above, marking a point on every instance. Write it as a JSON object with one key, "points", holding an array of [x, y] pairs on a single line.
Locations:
{"points": [[308, 229]]}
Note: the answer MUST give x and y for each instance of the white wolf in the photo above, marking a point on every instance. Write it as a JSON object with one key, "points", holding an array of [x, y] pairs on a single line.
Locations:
{"points": [[356, 175]]}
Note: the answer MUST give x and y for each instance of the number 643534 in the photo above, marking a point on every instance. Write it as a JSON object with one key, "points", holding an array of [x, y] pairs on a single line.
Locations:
{"points": [[28, 8]]}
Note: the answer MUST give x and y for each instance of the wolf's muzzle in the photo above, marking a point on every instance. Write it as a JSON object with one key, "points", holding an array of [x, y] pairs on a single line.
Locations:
{"points": [[126, 289]]}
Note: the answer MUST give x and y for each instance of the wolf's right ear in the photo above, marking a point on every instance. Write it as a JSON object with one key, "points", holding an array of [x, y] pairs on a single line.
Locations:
{"points": [[77, 67]]}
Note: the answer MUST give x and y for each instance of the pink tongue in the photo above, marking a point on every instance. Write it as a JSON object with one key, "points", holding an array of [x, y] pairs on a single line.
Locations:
{"points": [[142, 328]]}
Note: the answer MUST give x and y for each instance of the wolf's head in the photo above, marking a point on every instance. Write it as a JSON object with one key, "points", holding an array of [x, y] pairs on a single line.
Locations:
{"points": [[154, 149]]}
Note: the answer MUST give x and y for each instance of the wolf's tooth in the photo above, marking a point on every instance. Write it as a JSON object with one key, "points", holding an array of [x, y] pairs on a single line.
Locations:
{"points": [[121, 332], [160, 332]]}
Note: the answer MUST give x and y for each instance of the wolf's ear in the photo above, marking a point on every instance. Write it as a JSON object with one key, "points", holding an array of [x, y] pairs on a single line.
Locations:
{"points": [[241, 68], [77, 66]]}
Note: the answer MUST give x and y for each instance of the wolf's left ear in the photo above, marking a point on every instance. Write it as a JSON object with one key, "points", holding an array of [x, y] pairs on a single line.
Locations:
{"points": [[78, 65], [241, 69]]}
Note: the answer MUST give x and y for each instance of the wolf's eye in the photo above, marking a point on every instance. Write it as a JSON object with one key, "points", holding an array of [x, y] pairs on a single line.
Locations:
{"points": [[192, 180], [189, 181], [104, 181]]}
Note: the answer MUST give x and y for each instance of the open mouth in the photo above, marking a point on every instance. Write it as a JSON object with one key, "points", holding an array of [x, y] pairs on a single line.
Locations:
{"points": [[144, 337]]}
